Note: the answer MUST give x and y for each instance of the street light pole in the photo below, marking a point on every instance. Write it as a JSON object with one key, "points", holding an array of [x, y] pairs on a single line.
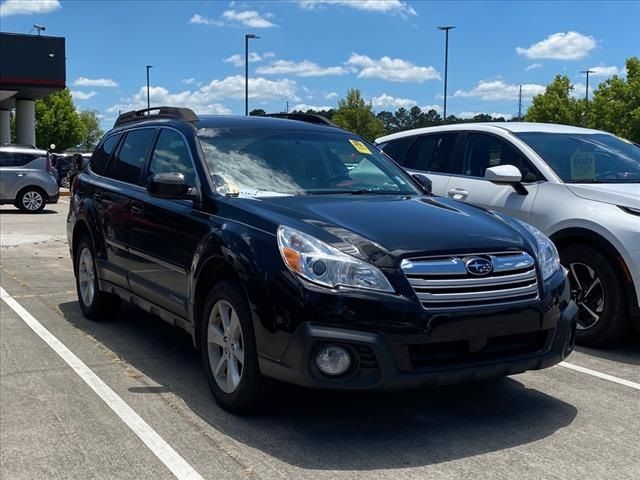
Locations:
{"points": [[586, 96], [148, 96], [446, 66], [246, 71]]}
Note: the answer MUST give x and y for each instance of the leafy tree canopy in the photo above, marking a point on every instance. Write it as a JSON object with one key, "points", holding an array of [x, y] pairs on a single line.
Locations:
{"points": [[356, 115], [92, 132], [58, 122]]}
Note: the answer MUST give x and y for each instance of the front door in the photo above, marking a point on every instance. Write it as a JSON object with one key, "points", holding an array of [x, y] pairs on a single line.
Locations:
{"points": [[165, 233], [482, 151]]}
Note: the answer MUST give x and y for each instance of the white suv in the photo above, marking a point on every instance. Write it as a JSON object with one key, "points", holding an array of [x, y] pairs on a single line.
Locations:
{"points": [[581, 187]]}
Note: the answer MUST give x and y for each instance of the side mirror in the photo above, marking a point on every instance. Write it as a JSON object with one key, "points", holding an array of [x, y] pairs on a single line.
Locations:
{"points": [[424, 181], [506, 175], [167, 185]]}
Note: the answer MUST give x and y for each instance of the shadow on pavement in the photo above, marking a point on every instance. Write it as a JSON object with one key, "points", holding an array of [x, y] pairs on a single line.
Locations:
{"points": [[628, 353], [6, 211], [344, 431]]}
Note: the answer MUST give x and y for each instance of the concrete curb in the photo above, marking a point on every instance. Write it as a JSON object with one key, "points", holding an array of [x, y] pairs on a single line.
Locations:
{"points": [[65, 192]]}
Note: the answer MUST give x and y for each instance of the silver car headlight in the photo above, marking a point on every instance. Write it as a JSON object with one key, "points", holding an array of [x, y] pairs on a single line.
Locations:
{"points": [[325, 265], [548, 257]]}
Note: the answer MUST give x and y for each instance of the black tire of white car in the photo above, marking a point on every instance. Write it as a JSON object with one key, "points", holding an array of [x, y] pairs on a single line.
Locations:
{"points": [[592, 276], [94, 304], [31, 200], [242, 395]]}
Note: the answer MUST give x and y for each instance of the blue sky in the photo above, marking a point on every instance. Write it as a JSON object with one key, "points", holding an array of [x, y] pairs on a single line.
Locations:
{"points": [[312, 51]]}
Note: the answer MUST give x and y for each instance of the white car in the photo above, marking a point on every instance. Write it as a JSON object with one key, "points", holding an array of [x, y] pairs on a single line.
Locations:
{"points": [[579, 186]]}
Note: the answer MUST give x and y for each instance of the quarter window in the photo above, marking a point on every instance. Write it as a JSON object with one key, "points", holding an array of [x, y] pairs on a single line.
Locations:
{"points": [[396, 148], [131, 156], [172, 155], [100, 158]]}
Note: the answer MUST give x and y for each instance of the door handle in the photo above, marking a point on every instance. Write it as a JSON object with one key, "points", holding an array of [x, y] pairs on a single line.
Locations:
{"points": [[458, 193], [20, 174], [97, 197], [137, 209]]}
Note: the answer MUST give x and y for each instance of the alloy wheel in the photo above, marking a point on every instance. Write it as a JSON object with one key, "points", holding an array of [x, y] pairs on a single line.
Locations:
{"points": [[226, 346], [32, 200], [588, 292], [86, 277]]}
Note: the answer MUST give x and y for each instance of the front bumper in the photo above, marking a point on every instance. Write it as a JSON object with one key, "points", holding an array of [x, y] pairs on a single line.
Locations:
{"points": [[386, 362]]}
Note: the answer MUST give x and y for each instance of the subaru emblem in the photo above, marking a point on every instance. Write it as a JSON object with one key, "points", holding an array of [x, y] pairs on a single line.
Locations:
{"points": [[478, 266]]}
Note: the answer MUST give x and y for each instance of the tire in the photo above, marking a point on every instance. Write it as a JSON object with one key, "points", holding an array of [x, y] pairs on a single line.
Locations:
{"points": [[31, 200], [64, 181], [95, 304], [237, 383], [597, 288]]}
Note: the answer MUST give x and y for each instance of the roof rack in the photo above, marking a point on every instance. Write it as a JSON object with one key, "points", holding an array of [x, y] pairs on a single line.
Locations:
{"points": [[304, 117], [185, 114]]}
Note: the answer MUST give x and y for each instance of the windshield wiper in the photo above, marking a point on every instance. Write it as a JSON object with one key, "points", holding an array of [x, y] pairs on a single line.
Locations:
{"points": [[356, 192], [585, 180]]}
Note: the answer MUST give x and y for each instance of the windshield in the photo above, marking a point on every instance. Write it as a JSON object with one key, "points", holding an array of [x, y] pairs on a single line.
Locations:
{"points": [[247, 162], [587, 158]]}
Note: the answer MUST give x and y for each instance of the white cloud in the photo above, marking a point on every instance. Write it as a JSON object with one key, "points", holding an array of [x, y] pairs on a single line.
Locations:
{"points": [[248, 18], [198, 19], [579, 90], [426, 108], [385, 100], [23, 7], [303, 107], [468, 115], [94, 82], [207, 98], [495, 90], [237, 60], [533, 66], [603, 71], [560, 46], [304, 68], [331, 95], [392, 69], [394, 7], [191, 81], [80, 95]]}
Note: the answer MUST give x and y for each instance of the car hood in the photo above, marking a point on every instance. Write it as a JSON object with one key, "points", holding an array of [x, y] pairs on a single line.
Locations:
{"points": [[383, 229], [623, 194]]}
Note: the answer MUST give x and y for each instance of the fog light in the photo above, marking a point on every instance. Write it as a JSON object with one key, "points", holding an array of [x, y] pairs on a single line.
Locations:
{"points": [[333, 360]]}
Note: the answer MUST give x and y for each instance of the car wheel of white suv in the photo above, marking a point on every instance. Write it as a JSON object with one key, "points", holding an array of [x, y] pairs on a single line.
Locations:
{"points": [[597, 288]]}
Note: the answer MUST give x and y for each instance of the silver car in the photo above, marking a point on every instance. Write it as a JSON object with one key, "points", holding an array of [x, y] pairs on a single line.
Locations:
{"points": [[26, 178], [581, 187]]}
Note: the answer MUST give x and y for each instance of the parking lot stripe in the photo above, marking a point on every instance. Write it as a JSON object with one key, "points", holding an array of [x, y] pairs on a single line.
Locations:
{"points": [[160, 448], [601, 375]]}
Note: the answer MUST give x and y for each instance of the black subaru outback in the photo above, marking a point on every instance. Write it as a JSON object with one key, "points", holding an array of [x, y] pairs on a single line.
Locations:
{"points": [[300, 252]]}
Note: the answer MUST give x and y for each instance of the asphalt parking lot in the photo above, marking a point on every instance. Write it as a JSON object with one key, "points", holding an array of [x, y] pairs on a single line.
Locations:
{"points": [[559, 423]]}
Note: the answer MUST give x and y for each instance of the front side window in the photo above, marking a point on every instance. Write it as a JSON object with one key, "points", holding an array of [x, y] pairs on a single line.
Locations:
{"points": [[172, 155], [587, 158], [484, 151], [100, 158], [131, 156], [432, 153], [280, 162]]}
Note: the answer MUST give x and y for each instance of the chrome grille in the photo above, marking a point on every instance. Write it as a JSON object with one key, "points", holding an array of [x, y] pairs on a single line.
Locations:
{"points": [[444, 282]]}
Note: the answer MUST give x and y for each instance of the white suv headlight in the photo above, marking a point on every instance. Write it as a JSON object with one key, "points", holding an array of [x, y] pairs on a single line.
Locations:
{"points": [[548, 256], [325, 265]]}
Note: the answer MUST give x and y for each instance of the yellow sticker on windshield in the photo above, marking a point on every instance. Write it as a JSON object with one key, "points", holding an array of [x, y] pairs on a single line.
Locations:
{"points": [[360, 147], [583, 165]]}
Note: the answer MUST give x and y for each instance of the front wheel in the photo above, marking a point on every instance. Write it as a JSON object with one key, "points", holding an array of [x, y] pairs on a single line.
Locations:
{"points": [[31, 200], [228, 349], [596, 287]]}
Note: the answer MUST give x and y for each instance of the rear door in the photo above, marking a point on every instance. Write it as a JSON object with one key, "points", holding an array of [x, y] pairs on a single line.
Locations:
{"points": [[435, 155], [485, 150], [164, 233]]}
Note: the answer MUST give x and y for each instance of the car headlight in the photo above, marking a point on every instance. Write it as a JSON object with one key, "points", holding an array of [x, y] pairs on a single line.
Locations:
{"points": [[548, 256], [325, 265]]}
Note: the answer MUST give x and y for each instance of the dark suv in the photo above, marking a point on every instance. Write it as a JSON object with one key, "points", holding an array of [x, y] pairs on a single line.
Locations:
{"points": [[300, 252]]}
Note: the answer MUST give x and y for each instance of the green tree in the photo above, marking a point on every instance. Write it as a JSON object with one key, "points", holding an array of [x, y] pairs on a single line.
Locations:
{"points": [[257, 112], [357, 116], [615, 106], [58, 122], [92, 131], [556, 105]]}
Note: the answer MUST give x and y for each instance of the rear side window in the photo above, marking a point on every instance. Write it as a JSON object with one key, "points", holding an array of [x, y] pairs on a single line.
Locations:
{"points": [[100, 158], [433, 153], [128, 162], [396, 148], [13, 159]]}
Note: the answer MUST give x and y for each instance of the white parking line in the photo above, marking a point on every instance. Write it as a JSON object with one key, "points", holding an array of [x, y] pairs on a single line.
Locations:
{"points": [[604, 376], [160, 448]]}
